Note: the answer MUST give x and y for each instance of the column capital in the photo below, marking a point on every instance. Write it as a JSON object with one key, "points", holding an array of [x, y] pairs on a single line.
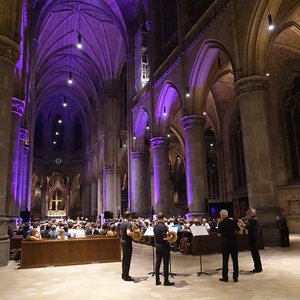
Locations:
{"points": [[23, 134], [128, 57], [158, 142], [251, 84], [148, 25], [25, 150], [136, 155], [193, 121], [9, 49], [18, 106]]}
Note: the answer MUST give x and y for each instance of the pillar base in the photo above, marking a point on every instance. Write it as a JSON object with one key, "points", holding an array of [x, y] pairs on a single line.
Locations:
{"points": [[196, 215], [4, 242]]}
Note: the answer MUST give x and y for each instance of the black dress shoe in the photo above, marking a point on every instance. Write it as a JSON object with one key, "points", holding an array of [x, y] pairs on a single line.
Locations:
{"points": [[223, 279], [256, 271], [158, 283], [128, 279], [235, 280], [168, 283]]}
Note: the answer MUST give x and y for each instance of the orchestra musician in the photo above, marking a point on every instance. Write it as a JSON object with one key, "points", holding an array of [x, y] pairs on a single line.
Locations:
{"points": [[126, 243], [253, 233], [227, 230], [162, 249]]}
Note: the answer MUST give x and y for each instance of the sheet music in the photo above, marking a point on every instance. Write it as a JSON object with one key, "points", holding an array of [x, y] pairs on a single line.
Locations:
{"points": [[198, 230], [149, 231]]}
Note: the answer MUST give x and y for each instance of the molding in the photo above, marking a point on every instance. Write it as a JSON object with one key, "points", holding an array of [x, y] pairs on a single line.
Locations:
{"points": [[251, 84], [18, 106], [9, 49], [23, 134], [158, 142], [193, 121], [140, 155]]}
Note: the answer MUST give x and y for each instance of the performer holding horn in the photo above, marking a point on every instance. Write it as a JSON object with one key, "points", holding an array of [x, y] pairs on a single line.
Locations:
{"points": [[126, 242], [162, 238]]}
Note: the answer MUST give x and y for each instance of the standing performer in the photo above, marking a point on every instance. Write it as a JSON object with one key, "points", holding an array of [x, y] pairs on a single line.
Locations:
{"points": [[227, 230], [126, 242], [162, 249], [284, 229], [253, 233]]}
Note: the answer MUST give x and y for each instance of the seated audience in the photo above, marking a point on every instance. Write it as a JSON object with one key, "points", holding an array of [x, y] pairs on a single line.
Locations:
{"points": [[112, 231]]}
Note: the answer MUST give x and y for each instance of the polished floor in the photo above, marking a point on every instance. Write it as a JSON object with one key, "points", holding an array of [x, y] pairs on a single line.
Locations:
{"points": [[279, 280]]}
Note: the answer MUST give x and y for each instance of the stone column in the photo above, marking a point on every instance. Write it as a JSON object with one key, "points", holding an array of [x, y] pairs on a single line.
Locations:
{"points": [[25, 204], [140, 198], [259, 159], [87, 200], [112, 190], [162, 202], [93, 199], [12, 203], [22, 165], [99, 196], [196, 173], [9, 55]]}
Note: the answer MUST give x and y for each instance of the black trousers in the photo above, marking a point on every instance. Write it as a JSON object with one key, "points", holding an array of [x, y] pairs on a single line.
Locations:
{"points": [[162, 253], [126, 259], [253, 245], [284, 237], [230, 248]]}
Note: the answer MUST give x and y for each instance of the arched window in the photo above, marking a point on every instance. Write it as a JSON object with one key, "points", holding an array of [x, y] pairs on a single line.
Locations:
{"points": [[58, 134], [292, 119], [77, 134], [238, 152], [212, 164], [38, 134]]}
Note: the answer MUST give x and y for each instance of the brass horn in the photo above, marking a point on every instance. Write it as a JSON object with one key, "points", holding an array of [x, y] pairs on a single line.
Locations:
{"points": [[139, 235], [175, 237]]}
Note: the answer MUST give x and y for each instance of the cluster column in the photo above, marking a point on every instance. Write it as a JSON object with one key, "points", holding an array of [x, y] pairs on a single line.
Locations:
{"points": [[140, 198], [162, 201], [258, 150], [13, 180], [9, 55], [196, 173]]}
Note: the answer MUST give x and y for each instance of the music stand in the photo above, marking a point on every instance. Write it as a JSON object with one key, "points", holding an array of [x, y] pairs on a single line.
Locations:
{"points": [[199, 231], [175, 229], [149, 232]]}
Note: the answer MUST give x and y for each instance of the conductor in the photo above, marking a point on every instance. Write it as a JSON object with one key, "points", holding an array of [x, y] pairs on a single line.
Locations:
{"points": [[162, 249]]}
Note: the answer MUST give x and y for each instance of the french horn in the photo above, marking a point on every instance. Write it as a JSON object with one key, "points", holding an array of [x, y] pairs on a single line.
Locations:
{"points": [[174, 237], [139, 235]]}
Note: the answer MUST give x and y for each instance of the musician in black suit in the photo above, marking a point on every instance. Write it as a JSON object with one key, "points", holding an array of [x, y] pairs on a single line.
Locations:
{"points": [[253, 234], [162, 249], [227, 230], [126, 243]]}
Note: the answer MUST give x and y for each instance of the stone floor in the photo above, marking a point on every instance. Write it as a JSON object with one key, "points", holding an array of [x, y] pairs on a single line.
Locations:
{"points": [[279, 280]]}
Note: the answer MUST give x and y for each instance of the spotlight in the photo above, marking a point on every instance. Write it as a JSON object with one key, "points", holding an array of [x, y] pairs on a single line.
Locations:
{"points": [[59, 121], [204, 113], [124, 144], [54, 142], [65, 101], [165, 112], [79, 45], [271, 26], [187, 92], [147, 126], [57, 133], [70, 81], [134, 137]]}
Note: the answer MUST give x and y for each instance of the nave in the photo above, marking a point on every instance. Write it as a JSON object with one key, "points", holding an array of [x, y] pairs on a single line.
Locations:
{"points": [[279, 280]]}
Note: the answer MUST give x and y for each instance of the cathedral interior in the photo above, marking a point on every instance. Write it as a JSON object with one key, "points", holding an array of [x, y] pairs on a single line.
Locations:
{"points": [[152, 106]]}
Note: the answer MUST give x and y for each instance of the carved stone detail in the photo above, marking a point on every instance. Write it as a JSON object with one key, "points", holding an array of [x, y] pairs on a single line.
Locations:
{"points": [[142, 155], [23, 134], [9, 49], [251, 84], [18, 106], [193, 121], [25, 150], [159, 142]]}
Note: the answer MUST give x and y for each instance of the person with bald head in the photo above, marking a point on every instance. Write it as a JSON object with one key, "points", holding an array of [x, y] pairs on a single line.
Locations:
{"points": [[227, 230]]}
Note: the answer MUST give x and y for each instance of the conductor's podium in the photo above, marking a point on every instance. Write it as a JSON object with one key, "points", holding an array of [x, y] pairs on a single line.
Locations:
{"points": [[70, 252], [208, 244]]}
